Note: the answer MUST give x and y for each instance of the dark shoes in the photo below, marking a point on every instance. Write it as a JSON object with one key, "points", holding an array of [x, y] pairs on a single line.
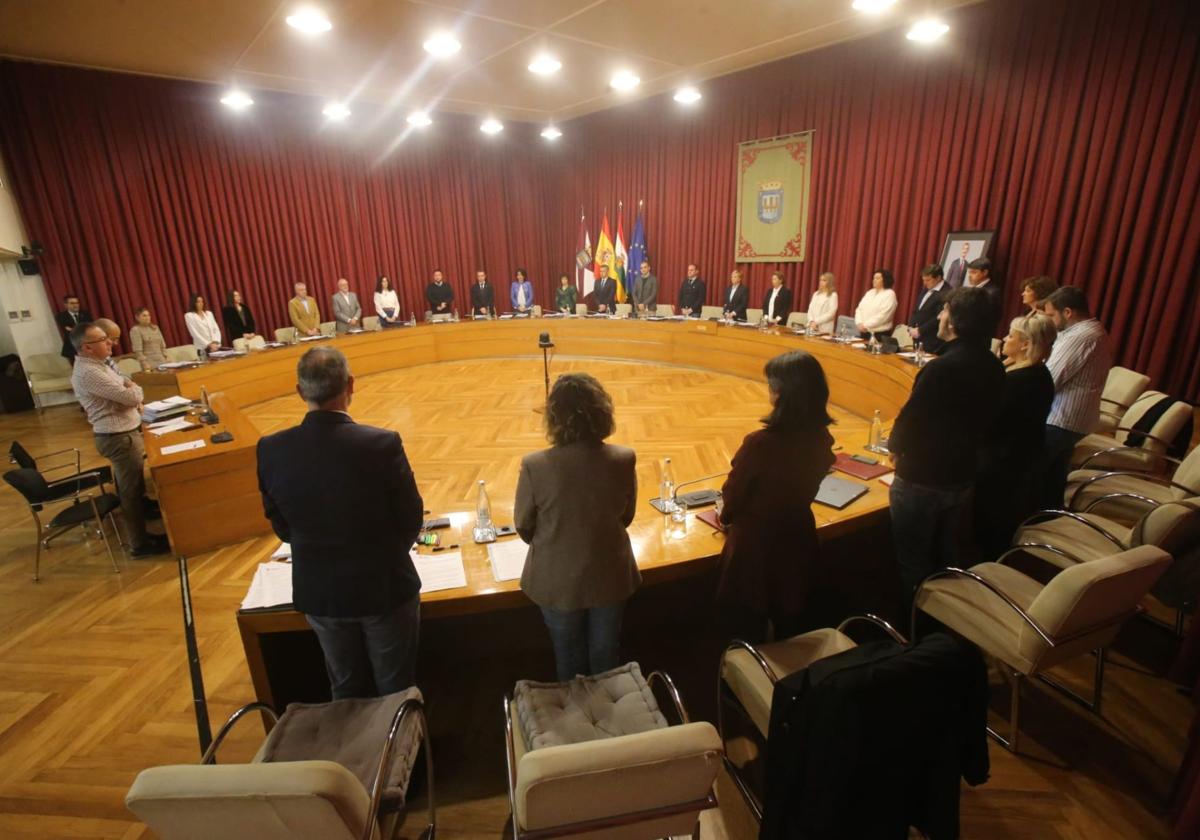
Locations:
{"points": [[150, 510], [154, 544]]}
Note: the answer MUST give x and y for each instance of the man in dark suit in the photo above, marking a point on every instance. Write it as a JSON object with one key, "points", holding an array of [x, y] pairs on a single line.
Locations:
{"points": [[956, 274], [71, 317], [691, 293], [979, 276], [439, 294], [483, 297], [778, 302], [736, 298], [344, 496], [605, 292], [923, 323]]}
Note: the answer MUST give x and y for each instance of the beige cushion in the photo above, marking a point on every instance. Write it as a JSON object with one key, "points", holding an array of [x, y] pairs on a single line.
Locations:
{"points": [[240, 344], [607, 705], [371, 322], [666, 310], [581, 309], [1122, 388], [1074, 537], [1127, 511], [256, 343], [304, 800], [47, 372], [285, 335], [753, 316], [47, 384], [797, 318], [328, 327], [182, 353], [751, 685], [623, 309], [707, 312]]}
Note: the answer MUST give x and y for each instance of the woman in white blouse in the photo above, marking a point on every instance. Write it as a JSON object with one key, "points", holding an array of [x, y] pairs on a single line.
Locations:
{"points": [[387, 304], [206, 335], [823, 308], [878, 306]]}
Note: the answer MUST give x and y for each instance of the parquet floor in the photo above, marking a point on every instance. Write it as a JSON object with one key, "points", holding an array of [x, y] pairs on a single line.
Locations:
{"points": [[93, 678]]}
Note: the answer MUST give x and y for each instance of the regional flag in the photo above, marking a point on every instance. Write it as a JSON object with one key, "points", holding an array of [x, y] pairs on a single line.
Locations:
{"points": [[585, 280], [604, 250], [620, 256]]}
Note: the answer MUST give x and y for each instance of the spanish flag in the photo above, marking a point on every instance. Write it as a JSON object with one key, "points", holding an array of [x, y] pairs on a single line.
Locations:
{"points": [[606, 255]]}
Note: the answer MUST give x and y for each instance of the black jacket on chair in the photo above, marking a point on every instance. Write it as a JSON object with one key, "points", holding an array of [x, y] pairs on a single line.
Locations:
{"points": [[736, 299], [870, 741], [925, 318], [343, 494], [691, 296]]}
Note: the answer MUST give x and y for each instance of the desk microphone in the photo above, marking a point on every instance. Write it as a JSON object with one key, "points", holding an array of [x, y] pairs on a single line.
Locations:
{"points": [[544, 340], [207, 415]]}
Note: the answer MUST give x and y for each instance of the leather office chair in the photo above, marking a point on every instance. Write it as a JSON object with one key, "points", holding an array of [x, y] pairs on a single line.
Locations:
{"points": [[664, 310], [1121, 390], [46, 373], [182, 353], [623, 310], [711, 313], [328, 328], [903, 337], [1116, 452], [371, 322], [753, 316], [797, 319], [256, 343], [581, 309], [285, 335], [1124, 495], [240, 344]]}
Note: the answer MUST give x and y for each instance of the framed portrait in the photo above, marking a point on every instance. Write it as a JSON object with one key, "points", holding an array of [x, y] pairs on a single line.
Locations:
{"points": [[961, 247]]}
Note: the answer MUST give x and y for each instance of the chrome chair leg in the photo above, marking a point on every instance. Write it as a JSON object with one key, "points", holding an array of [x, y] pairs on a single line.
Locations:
{"points": [[1011, 742], [103, 536], [1093, 704]]}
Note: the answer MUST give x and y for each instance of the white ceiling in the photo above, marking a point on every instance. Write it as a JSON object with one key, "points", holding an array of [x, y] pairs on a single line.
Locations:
{"points": [[374, 50]]}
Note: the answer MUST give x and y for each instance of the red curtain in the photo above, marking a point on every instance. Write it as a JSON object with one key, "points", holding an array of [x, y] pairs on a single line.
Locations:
{"points": [[1067, 126]]}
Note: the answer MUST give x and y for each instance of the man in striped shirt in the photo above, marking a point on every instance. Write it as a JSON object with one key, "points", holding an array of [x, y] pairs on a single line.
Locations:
{"points": [[1079, 363]]}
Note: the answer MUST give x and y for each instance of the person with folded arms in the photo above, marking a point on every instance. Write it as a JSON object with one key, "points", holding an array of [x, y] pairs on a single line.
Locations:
{"points": [[387, 303], [567, 296], [823, 307], [736, 298], [778, 302], [691, 293], [876, 311], [202, 326], [521, 292]]}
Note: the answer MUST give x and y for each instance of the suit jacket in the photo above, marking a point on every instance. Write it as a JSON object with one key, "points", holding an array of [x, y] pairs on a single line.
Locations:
{"points": [[512, 294], [437, 295], [736, 299], [237, 324], [995, 292], [344, 496], [645, 291], [305, 319], [66, 323], [783, 303], [573, 505], [605, 292], [345, 308], [485, 297], [925, 318], [691, 296], [956, 275]]}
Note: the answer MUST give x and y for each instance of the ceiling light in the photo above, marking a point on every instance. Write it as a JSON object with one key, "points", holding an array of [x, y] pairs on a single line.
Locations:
{"points": [[490, 126], [872, 7], [927, 31], [545, 65], [236, 100], [442, 45], [687, 95], [336, 111], [624, 80], [551, 133], [419, 119], [309, 21]]}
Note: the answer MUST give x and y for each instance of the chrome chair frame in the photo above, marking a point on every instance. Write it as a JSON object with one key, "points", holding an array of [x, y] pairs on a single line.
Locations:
{"points": [[1149, 478], [46, 533], [1154, 456], [1043, 515]]}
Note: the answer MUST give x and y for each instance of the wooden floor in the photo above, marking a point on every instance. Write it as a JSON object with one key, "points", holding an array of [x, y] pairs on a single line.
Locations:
{"points": [[93, 678]]}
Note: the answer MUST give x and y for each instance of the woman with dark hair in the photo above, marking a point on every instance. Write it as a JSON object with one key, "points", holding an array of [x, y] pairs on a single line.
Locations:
{"points": [[521, 291], [236, 315], [202, 326], [766, 503], [1034, 292], [877, 309], [567, 296], [387, 304], [574, 502]]}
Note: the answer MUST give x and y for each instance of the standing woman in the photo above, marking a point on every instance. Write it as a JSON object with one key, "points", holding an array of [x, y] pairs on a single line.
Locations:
{"points": [[146, 339], [236, 315], [206, 335], [823, 308], [877, 309], [387, 304], [566, 297], [574, 502], [521, 291], [766, 504]]}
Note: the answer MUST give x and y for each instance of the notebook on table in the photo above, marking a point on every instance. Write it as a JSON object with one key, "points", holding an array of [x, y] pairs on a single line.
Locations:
{"points": [[844, 463], [837, 492]]}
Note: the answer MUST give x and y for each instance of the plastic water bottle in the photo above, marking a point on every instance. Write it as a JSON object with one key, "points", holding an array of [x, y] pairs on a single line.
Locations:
{"points": [[456, 316], [485, 531], [920, 348], [875, 439], [666, 488], [412, 318]]}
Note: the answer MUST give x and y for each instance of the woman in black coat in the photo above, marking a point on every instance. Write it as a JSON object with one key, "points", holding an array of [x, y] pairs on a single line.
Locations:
{"points": [[239, 322]]}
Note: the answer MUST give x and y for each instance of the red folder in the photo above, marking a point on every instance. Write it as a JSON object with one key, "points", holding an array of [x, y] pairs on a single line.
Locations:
{"points": [[709, 517], [844, 463]]}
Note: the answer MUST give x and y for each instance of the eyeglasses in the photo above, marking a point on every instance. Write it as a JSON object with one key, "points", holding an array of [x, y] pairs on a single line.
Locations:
{"points": [[97, 340]]}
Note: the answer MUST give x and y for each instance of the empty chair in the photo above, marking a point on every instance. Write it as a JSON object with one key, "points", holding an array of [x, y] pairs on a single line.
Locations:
{"points": [[753, 316], [1124, 495], [711, 313], [256, 343], [371, 322], [664, 310], [903, 337], [1121, 390], [623, 310], [240, 345], [46, 373], [182, 353], [328, 327], [69, 473], [1128, 448], [581, 309], [285, 335], [129, 366], [797, 319], [536, 311]]}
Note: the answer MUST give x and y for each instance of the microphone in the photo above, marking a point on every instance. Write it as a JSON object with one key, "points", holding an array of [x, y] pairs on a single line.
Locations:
{"points": [[544, 340], [675, 492]]}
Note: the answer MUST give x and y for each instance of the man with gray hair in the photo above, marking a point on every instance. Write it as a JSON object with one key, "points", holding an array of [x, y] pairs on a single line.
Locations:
{"points": [[343, 494]]}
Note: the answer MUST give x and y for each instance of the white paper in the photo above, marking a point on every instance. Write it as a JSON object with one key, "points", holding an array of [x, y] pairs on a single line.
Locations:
{"points": [[169, 402], [271, 587], [182, 447], [315, 337], [173, 365], [888, 479], [443, 570], [508, 559], [283, 552], [166, 426]]}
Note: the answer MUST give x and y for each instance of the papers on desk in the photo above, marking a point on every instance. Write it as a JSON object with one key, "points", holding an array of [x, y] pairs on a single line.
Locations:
{"points": [[284, 552], [225, 354], [175, 365], [507, 559], [271, 587], [176, 424], [168, 403], [888, 479], [163, 409], [314, 337], [443, 570], [182, 447]]}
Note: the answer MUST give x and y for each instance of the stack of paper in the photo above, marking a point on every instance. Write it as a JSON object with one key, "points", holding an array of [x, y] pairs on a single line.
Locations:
{"points": [[175, 424], [284, 552], [225, 354], [162, 409], [508, 559], [175, 365], [271, 587], [443, 570], [314, 337]]}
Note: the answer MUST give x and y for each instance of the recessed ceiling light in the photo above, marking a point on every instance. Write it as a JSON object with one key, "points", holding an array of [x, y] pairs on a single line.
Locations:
{"points": [[687, 95], [624, 80], [490, 126], [236, 100], [419, 119], [336, 111], [310, 21], [551, 133], [927, 31], [545, 65], [442, 44], [872, 7]]}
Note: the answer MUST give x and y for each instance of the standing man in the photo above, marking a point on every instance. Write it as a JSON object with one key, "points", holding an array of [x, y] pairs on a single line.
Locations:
{"points": [[347, 314], [439, 295], [605, 292], [691, 293], [70, 318], [1079, 362], [483, 297], [304, 312], [343, 494], [938, 438], [778, 302], [645, 292], [923, 323], [979, 276], [957, 272], [113, 404], [736, 298]]}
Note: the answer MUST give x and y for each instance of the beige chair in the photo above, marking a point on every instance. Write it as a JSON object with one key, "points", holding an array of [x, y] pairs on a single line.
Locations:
{"points": [[535, 311], [753, 316], [182, 353], [647, 784], [46, 373], [371, 322], [797, 319], [129, 366], [623, 310], [328, 328], [240, 344], [903, 337], [1121, 390], [1114, 452], [710, 312], [285, 335], [1032, 628], [1124, 495], [256, 343], [664, 310], [581, 309], [996, 345], [352, 788]]}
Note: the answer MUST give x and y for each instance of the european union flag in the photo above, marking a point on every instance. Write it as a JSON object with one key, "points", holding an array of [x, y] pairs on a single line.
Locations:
{"points": [[637, 245]]}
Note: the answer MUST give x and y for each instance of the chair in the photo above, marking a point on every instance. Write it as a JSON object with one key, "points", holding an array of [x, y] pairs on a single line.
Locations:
{"points": [[1121, 390], [182, 353], [1032, 628], [623, 310], [129, 366], [371, 322], [711, 313], [650, 783], [581, 309], [903, 337], [846, 323], [67, 484], [256, 343], [664, 310], [328, 328], [240, 345], [535, 311], [330, 770], [1124, 495], [797, 319], [285, 335], [1128, 448], [996, 345], [753, 316], [46, 373]]}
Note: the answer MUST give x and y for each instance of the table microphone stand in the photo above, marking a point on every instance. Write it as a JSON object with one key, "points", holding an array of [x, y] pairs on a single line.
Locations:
{"points": [[545, 343]]}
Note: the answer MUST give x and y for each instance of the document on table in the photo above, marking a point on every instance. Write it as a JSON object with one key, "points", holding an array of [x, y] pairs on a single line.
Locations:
{"points": [[173, 425], [182, 447], [271, 587], [169, 402], [508, 559], [443, 570], [284, 552]]}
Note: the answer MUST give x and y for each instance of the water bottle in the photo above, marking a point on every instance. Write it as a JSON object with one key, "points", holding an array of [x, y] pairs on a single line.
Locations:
{"points": [[412, 318], [456, 316], [484, 530], [875, 438], [920, 348], [666, 489]]}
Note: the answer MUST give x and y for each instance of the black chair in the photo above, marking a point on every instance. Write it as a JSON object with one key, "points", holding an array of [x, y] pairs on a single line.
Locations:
{"points": [[67, 485], [85, 508]]}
